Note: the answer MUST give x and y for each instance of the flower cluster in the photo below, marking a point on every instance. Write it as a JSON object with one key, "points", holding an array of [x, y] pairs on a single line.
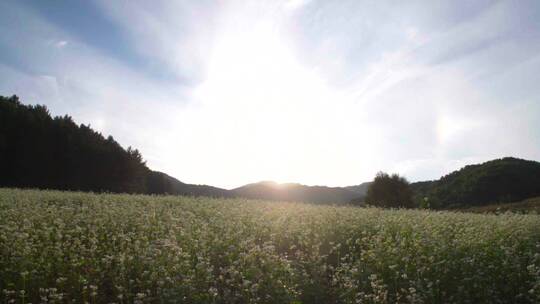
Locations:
{"points": [[60, 247]]}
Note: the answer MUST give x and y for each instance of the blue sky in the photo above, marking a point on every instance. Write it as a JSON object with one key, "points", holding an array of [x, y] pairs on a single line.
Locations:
{"points": [[316, 92]]}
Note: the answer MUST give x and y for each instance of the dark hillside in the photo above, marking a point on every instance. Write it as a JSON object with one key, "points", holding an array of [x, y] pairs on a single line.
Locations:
{"points": [[497, 181], [39, 151], [528, 206], [161, 183], [360, 190]]}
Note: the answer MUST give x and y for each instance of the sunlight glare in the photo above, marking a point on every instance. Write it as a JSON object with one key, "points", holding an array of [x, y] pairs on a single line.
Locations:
{"points": [[258, 105], [276, 105]]}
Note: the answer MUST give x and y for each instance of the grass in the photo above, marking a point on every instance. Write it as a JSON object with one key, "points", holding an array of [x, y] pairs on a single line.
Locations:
{"points": [[60, 247], [531, 206]]}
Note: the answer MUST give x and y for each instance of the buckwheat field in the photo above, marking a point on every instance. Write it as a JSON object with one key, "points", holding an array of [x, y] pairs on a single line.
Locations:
{"points": [[69, 247]]}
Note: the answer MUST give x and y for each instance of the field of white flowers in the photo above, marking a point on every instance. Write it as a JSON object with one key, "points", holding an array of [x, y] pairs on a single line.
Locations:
{"points": [[67, 247]]}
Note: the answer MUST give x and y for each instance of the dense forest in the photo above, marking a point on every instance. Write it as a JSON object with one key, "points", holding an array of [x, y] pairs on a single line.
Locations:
{"points": [[497, 181], [40, 151]]}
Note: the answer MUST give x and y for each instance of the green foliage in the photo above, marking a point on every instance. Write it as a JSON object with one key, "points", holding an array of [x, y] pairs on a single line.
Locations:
{"points": [[497, 181], [528, 206], [68, 247], [389, 191], [39, 151]]}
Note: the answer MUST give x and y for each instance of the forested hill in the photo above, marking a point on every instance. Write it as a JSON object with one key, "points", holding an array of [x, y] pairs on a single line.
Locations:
{"points": [[497, 181], [269, 190], [40, 151], [159, 183]]}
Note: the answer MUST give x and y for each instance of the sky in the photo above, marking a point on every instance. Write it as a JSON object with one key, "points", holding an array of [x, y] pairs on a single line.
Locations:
{"points": [[317, 92]]}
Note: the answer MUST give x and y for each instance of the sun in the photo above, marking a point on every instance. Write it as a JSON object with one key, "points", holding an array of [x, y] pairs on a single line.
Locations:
{"points": [[259, 105], [253, 65], [262, 96]]}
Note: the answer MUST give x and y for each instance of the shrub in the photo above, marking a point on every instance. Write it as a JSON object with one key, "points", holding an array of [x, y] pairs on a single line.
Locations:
{"points": [[390, 191]]}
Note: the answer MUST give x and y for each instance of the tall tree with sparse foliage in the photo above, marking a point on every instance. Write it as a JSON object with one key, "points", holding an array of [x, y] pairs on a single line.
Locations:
{"points": [[390, 191]]}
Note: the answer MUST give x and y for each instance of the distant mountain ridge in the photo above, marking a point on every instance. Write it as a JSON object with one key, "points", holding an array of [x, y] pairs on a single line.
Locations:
{"points": [[361, 189], [501, 180], [161, 183], [269, 190], [497, 181]]}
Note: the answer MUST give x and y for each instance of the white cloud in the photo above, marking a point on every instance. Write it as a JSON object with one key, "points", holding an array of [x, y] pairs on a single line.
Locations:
{"points": [[329, 94], [296, 4], [60, 44]]}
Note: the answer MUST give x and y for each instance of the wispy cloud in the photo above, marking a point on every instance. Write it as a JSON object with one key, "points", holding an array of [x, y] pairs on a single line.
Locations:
{"points": [[310, 91], [61, 43]]}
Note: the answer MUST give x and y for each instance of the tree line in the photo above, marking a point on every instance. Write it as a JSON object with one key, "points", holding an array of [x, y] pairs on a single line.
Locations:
{"points": [[497, 181], [40, 151]]}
